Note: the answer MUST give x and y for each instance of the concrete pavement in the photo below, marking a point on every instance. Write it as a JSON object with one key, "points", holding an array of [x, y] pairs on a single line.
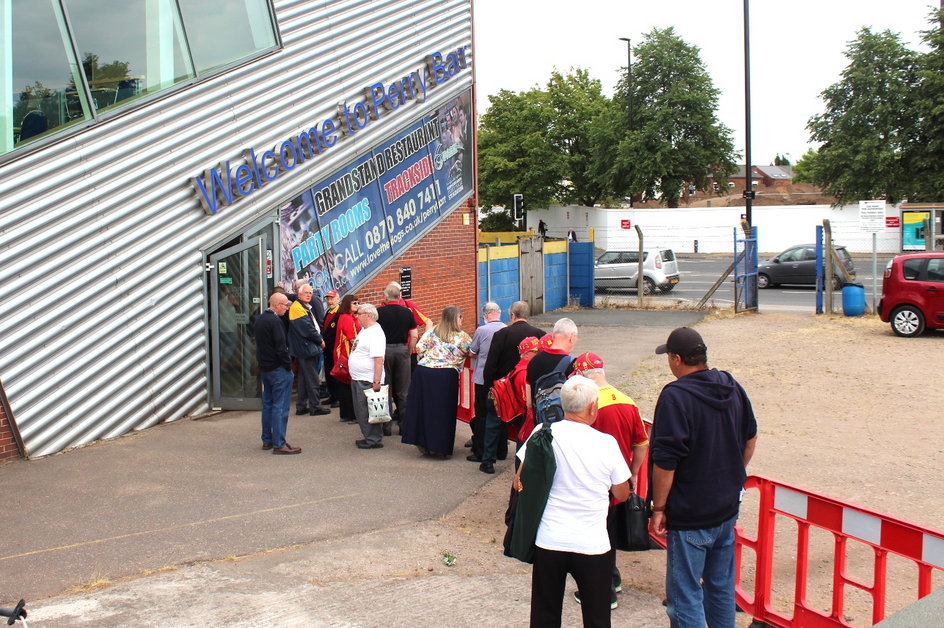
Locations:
{"points": [[191, 523]]}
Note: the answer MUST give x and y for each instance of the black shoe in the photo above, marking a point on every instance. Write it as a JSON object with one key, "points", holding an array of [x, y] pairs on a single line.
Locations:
{"points": [[363, 444], [473, 458], [299, 411], [387, 431], [319, 411], [487, 467], [468, 443], [335, 404]]}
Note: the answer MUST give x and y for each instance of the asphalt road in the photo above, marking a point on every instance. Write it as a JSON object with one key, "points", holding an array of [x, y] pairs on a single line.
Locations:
{"points": [[699, 273]]}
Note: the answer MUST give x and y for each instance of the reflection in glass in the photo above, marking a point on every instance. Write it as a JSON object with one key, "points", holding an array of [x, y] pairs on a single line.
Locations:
{"points": [[38, 74], [224, 31], [128, 47], [238, 290]]}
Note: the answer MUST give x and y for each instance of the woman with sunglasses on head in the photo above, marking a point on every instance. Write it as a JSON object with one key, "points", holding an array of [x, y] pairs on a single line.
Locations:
{"points": [[430, 422], [345, 333]]}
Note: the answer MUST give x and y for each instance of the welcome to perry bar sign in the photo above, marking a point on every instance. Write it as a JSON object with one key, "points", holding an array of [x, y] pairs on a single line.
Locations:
{"points": [[227, 183], [352, 223]]}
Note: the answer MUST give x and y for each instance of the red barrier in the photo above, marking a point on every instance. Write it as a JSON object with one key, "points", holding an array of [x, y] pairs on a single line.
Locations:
{"points": [[883, 533], [465, 409]]}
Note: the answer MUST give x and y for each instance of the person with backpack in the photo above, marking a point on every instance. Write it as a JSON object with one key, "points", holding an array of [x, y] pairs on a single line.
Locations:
{"points": [[571, 535], [564, 339]]}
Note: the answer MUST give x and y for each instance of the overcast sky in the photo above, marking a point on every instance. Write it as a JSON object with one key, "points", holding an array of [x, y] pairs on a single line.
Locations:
{"points": [[796, 51]]}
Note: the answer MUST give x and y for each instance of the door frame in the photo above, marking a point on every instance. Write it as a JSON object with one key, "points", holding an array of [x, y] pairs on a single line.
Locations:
{"points": [[216, 397]]}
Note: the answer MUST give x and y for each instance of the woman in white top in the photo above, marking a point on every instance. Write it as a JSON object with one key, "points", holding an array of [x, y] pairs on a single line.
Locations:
{"points": [[572, 535]]}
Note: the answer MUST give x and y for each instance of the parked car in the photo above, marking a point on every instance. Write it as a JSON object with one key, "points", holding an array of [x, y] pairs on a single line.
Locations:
{"points": [[913, 293], [797, 265], [619, 269]]}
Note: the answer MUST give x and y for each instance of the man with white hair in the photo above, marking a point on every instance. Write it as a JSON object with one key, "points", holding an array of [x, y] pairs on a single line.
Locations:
{"points": [[564, 338], [366, 365], [483, 452], [572, 537]]}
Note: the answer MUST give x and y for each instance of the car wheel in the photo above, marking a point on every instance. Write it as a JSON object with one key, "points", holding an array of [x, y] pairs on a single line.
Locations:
{"points": [[667, 289], [648, 286], [907, 321], [763, 281]]}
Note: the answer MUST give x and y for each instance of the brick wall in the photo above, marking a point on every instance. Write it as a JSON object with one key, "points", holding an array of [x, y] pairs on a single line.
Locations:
{"points": [[444, 269], [8, 446]]}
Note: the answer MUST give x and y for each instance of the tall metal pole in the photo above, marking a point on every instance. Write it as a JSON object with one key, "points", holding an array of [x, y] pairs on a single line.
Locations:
{"points": [[749, 175], [629, 90]]}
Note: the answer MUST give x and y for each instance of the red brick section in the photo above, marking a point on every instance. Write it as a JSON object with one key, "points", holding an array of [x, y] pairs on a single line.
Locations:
{"points": [[8, 446], [444, 266]]}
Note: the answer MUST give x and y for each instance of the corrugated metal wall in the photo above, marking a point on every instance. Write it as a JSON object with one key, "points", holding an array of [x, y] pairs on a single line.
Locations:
{"points": [[103, 306]]}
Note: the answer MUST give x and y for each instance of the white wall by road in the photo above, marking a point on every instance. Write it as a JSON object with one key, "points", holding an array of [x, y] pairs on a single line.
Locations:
{"points": [[778, 227]]}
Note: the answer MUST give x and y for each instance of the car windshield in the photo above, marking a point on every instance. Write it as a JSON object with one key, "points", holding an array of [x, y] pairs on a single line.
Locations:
{"points": [[621, 257]]}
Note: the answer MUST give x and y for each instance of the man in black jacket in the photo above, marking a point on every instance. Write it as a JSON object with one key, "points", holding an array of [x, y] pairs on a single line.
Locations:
{"points": [[502, 357], [275, 366], [703, 437]]}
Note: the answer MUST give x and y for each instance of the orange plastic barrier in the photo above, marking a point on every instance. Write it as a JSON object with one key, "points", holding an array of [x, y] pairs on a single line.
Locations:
{"points": [[883, 533]]}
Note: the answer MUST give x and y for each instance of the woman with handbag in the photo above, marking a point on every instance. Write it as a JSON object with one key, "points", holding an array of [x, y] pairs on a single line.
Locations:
{"points": [[430, 422], [345, 333]]}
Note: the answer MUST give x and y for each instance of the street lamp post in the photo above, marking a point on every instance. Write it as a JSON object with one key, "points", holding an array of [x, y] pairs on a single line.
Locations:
{"points": [[629, 90], [749, 178]]}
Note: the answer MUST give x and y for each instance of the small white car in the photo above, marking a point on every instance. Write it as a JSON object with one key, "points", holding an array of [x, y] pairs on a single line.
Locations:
{"points": [[618, 269]]}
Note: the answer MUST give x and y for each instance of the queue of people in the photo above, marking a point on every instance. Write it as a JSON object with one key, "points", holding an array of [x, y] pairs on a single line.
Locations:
{"points": [[703, 435]]}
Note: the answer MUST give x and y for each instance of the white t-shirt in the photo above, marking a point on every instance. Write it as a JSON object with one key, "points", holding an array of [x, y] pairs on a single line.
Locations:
{"points": [[588, 464], [369, 344]]}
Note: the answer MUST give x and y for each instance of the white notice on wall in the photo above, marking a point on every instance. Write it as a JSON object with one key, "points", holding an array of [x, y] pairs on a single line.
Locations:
{"points": [[872, 216]]}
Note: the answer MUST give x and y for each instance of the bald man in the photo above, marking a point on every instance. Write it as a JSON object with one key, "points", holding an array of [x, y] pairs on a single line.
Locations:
{"points": [[275, 370]]}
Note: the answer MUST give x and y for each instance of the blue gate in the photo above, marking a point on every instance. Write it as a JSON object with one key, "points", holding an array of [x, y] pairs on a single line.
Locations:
{"points": [[745, 271]]}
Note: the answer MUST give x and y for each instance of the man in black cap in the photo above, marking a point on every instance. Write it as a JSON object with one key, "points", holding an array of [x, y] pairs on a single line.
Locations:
{"points": [[703, 437]]}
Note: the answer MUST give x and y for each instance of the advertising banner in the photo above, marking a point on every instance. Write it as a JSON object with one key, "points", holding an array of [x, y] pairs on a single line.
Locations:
{"points": [[354, 222]]}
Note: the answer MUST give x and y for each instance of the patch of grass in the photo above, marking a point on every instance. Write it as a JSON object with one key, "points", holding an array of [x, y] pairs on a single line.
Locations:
{"points": [[165, 568], [94, 584]]}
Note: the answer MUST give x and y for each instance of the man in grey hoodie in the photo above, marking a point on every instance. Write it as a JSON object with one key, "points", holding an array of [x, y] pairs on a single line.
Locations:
{"points": [[703, 437]]}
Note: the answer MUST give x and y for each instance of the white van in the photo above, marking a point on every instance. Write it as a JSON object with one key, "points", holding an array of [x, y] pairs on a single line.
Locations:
{"points": [[618, 269]]}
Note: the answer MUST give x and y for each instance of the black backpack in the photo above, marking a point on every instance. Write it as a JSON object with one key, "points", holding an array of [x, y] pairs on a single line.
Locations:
{"points": [[547, 403]]}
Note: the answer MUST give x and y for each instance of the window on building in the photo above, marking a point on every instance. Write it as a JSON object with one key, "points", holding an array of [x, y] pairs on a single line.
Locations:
{"points": [[65, 61]]}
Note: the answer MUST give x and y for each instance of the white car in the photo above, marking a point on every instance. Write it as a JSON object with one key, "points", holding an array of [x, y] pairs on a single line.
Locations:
{"points": [[618, 269]]}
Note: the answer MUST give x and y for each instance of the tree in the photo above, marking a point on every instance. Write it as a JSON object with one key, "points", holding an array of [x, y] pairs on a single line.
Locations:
{"points": [[516, 155], [578, 101], [497, 220], [868, 122], [803, 169], [925, 154], [676, 139], [781, 161]]}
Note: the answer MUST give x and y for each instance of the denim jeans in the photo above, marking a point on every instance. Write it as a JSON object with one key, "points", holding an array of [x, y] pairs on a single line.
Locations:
{"points": [[276, 400], [699, 577]]}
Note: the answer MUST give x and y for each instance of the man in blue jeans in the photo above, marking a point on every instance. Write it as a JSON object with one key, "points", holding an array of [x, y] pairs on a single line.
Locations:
{"points": [[703, 436], [275, 365]]}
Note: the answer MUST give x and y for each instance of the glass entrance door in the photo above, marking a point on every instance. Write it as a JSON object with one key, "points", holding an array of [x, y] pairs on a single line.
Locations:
{"points": [[237, 297]]}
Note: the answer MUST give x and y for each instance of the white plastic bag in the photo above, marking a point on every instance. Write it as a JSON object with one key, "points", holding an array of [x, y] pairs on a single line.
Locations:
{"points": [[377, 405]]}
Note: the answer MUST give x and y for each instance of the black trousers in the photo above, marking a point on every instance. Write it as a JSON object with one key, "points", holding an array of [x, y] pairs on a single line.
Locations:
{"points": [[549, 576]]}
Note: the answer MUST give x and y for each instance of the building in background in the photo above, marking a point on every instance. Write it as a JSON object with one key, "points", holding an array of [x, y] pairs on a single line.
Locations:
{"points": [[165, 164]]}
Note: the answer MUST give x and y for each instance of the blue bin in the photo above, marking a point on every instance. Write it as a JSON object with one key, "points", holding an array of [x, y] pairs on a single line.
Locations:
{"points": [[853, 299]]}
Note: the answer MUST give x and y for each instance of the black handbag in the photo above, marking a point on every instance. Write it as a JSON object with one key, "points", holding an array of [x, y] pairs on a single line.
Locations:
{"points": [[628, 523]]}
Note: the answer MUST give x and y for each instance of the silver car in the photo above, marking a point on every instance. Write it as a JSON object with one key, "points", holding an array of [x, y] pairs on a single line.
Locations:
{"points": [[618, 269]]}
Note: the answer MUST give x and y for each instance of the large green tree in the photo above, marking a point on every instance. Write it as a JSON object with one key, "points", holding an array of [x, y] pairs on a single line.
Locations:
{"points": [[541, 143], [868, 122], [676, 138], [803, 168], [515, 154], [925, 154]]}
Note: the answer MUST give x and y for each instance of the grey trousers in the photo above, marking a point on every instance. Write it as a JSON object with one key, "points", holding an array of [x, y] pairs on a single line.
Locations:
{"points": [[373, 432], [308, 384], [398, 372]]}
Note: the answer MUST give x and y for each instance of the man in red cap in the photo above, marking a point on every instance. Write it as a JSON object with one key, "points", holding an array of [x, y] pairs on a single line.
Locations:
{"points": [[618, 416]]}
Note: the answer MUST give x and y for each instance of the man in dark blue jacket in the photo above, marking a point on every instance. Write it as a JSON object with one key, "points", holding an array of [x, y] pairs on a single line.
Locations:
{"points": [[275, 366], [306, 344], [703, 437]]}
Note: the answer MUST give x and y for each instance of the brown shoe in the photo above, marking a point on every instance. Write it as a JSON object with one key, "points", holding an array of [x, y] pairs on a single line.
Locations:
{"points": [[267, 446], [287, 449]]}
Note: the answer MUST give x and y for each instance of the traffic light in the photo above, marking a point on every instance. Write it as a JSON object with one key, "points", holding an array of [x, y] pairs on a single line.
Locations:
{"points": [[517, 205]]}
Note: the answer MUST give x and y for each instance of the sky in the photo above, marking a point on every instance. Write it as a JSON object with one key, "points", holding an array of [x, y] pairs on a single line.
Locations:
{"points": [[796, 51]]}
